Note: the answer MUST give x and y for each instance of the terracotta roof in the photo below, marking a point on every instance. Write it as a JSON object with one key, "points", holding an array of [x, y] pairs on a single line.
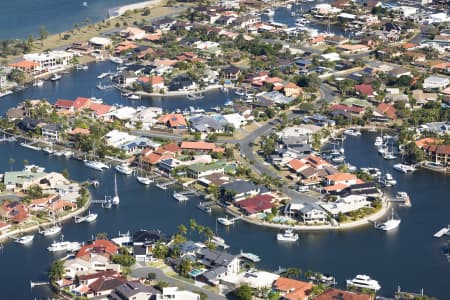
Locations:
{"points": [[24, 64], [294, 289], [61, 204], [341, 177], [197, 146], [173, 120], [256, 204], [62, 103], [172, 147], [98, 246], [100, 109], [334, 294], [82, 131], [81, 102], [106, 283], [42, 200], [425, 141], [438, 149], [296, 164], [337, 187], [348, 108], [364, 89], [387, 110], [108, 273], [316, 161]]}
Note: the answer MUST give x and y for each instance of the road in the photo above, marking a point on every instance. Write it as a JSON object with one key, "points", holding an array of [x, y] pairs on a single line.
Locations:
{"points": [[143, 271]]}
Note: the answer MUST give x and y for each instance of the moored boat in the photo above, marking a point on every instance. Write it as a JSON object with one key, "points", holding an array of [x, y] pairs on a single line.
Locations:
{"points": [[24, 240], [96, 165], [363, 281], [389, 224], [124, 169], [287, 236]]}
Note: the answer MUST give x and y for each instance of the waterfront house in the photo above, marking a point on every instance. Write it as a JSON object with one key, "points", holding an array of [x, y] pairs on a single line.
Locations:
{"points": [[346, 204], [100, 43], [100, 247], [334, 294], [143, 243], [14, 212], [132, 33], [51, 132], [256, 204], [89, 263], [219, 264], [440, 154], [200, 170], [312, 213], [239, 190], [385, 111], [173, 293], [26, 66], [182, 82], [231, 73], [21, 180], [255, 279], [341, 178], [116, 138], [134, 290], [169, 164], [292, 289], [28, 124], [208, 124], [50, 61]]}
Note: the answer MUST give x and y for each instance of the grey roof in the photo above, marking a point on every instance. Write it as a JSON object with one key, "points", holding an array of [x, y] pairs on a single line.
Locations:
{"points": [[240, 186], [203, 123], [310, 207], [129, 289], [147, 237], [214, 273], [215, 257]]}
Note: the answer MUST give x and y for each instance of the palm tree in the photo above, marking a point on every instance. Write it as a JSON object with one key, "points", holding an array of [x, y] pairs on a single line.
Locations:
{"points": [[192, 226], [293, 272], [43, 34]]}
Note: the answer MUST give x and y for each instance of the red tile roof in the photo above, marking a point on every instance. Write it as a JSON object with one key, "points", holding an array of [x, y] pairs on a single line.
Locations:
{"points": [[173, 120], [425, 141], [62, 103], [294, 289], [364, 89], [387, 110], [98, 246], [256, 204], [296, 164], [197, 146], [333, 294], [437, 149], [81, 103], [100, 109], [24, 64], [348, 108]]}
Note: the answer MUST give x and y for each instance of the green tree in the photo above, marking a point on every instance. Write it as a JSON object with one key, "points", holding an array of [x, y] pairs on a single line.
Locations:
{"points": [[244, 292], [160, 250], [43, 34], [17, 76], [192, 226], [56, 271], [185, 267], [101, 236], [65, 173], [293, 272], [35, 191]]}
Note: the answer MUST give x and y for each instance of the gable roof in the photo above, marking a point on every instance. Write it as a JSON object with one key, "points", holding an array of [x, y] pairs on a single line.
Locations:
{"points": [[334, 294], [102, 246], [387, 110]]}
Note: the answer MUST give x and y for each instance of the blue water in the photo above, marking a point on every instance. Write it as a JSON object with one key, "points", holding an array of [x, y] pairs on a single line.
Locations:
{"points": [[20, 18]]}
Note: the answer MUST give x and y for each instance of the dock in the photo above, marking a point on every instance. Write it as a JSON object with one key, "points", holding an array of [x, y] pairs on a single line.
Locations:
{"points": [[442, 232], [34, 284], [250, 256], [164, 186]]}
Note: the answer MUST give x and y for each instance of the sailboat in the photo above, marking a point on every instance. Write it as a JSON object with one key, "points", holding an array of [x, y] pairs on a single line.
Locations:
{"points": [[389, 154], [116, 199], [141, 178], [54, 229], [389, 224]]}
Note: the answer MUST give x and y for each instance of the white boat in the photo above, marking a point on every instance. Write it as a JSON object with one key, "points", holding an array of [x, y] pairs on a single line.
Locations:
{"points": [[26, 239], [55, 77], [195, 96], [180, 197], [218, 239], [81, 67], [387, 180], [338, 159], [38, 83], [96, 165], [287, 236], [389, 224], [144, 180], [33, 168], [123, 239], [225, 221], [5, 93], [389, 156], [103, 75], [352, 132], [116, 60], [250, 256], [55, 229], [401, 195], [378, 141], [364, 281], [124, 169], [48, 150], [107, 203], [29, 146], [64, 246], [404, 168], [373, 172], [134, 97], [301, 22], [116, 199], [96, 100], [58, 153], [68, 153], [91, 217]]}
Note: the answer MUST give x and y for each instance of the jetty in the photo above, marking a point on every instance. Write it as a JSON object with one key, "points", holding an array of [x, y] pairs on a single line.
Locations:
{"points": [[442, 232], [164, 185], [38, 283], [206, 206]]}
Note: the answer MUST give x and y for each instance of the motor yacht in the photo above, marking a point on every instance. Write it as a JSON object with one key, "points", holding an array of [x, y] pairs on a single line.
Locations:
{"points": [[364, 281], [287, 236]]}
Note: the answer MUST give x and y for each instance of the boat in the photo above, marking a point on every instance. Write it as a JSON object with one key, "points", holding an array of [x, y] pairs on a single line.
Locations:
{"points": [[338, 159], [26, 239], [195, 96], [378, 141], [389, 224], [389, 154], [387, 180], [207, 209], [103, 75], [33, 168], [64, 246], [68, 153], [225, 221], [301, 22], [287, 236], [103, 87], [29, 146], [55, 229], [116, 60], [90, 217], [217, 239], [197, 110], [144, 180], [403, 198], [96, 165], [404, 168], [107, 203], [38, 83], [124, 169], [180, 197], [58, 153], [116, 199], [123, 239], [84, 4], [352, 132], [48, 150], [373, 172], [134, 97], [239, 92], [5, 93], [81, 67], [250, 256], [55, 77], [363, 281], [96, 100], [401, 195]]}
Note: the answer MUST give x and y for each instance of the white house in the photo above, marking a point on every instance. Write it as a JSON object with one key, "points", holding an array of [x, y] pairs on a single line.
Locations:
{"points": [[254, 278], [116, 138], [172, 293], [332, 56], [95, 263], [235, 119], [133, 33], [49, 61], [346, 204], [435, 83], [405, 11]]}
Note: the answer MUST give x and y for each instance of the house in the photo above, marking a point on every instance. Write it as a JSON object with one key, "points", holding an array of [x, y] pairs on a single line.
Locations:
{"points": [[312, 213], [231, 73], [133, 290], [50, 61], [163, 24], [116, 138], [256, 204], [239, 190], [346, 204], [200, 170], [334, 294], [208, 124], [435, 83], [51, 132], [173, 293], [100, 43], [133, 33], [235, 120], [253, 278], [104, 286], [200, 146], [341, 178], [14, 211], [386, 110], [174, 121], [102, 247], [219, 264], [292, 289], [182, 82], [90, 263], [364, 90], [143, 243], [26, 66], [292, 90]]}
